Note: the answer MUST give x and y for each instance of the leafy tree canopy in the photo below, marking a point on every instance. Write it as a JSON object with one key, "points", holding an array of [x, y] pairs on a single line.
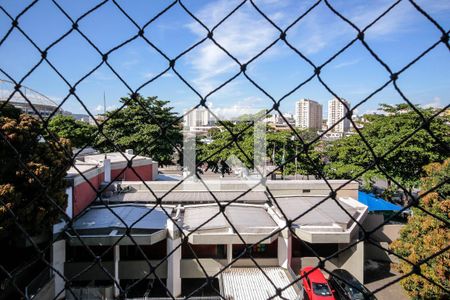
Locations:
{"points": [[138, 126], [281, 148], [20, 185], [79, 133], [350, 155], [423, 236]]}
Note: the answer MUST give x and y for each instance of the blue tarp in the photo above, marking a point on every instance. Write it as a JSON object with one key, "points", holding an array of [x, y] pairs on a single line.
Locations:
{"points": [[375, 203]]}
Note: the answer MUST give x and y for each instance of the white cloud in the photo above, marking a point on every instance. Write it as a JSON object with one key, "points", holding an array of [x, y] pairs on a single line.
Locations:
{"points": [[435, 103], [148, 75], [100, 75], [346, 63], [249, 105], [321, 29], [99, 108], [243, 35]]}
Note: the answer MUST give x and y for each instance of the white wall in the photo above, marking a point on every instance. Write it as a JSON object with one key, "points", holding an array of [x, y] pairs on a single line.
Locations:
{"points": [[69, 208], [58, 260]]}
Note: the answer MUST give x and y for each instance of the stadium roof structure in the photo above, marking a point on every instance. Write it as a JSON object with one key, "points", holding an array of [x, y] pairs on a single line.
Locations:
{"points": [[7, 88]]}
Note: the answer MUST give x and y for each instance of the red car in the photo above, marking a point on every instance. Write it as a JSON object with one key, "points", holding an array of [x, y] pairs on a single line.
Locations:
{"points": [[315, 285]]}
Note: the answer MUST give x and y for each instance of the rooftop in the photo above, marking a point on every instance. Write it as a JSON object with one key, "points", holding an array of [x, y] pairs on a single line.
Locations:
{"points": [[101, 224], [250, 283], [115, 157], [187, 197], [36, 98], [208, 225], [325, 212]]}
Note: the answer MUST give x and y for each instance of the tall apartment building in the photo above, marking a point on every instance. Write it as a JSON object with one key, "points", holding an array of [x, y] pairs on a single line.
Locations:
{"points": [[197, 118], [336, 111], [308, 114]]}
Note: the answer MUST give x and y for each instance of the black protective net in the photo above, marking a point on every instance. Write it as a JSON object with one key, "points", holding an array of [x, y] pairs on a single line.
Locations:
{"points": [[38, 254]]}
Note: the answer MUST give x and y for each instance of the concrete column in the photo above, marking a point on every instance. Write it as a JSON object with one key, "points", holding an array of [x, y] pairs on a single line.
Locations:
{"points": [[116, 270], [284, 248], [58, 260], [174, 267], [352, 260], [229, 252], [107, 169]]}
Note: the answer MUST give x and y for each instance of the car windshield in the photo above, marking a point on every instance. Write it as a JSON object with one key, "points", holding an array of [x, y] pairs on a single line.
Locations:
{"points": [[356, 292], [354, 289], [321, 289]]}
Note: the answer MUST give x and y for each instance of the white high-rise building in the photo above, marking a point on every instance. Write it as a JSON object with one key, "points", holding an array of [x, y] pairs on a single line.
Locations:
{"points": [[308, 114], [337, 111], [197, 118]]}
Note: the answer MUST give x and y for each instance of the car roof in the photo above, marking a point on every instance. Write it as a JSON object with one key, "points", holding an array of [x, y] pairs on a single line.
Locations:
{"points": [[349, 279], [315, 276], [344, 274]]}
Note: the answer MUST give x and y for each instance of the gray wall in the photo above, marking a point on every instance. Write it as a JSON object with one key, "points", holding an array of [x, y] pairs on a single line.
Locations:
{"points": [[383, 237], [351, 260], [47, 291]]}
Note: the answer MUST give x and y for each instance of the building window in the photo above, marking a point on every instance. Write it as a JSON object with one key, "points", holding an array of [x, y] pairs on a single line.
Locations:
{"points": [[305, 249], [204, 251], [131, 252], [258, 251], [82, 254]]}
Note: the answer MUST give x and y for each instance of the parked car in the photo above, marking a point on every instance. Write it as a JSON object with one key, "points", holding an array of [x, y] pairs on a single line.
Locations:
{"points": [[348, 287], [315, 285]]}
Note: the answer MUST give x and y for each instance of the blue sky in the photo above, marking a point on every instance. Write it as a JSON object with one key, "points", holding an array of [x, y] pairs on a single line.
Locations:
{"points": [[398, 38]]}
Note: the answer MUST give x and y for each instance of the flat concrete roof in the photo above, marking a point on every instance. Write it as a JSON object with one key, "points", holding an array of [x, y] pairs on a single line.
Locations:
{"points": [[180, 197], [321, 220], [81, 167], [101, 226], [137, 216], [252, 222], [226, 190], [113, 156], [250, 283], [326, 213]]}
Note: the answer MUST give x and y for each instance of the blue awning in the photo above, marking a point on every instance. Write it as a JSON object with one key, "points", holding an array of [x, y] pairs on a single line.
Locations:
{"points": [[375, 203]]}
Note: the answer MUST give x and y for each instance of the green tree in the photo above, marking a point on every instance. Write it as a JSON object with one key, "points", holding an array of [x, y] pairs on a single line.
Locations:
{"points": [[222, 139], [138, 126], [79, 133], [350, 155], [20, 191], [424, 236], [281, 148]]}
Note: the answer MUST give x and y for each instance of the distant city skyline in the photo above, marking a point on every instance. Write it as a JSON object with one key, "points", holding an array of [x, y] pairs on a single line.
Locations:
{"points": [[402, 35]]}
